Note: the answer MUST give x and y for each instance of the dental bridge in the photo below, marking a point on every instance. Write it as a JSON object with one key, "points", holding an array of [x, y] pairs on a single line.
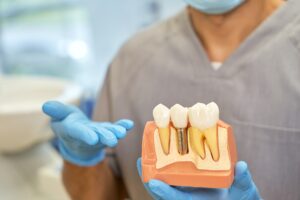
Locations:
{"points": [[189, 147]]}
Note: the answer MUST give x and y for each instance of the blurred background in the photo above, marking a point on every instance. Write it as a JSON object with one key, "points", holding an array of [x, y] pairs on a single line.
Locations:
{"points": [[55, 49], [73, 39]]}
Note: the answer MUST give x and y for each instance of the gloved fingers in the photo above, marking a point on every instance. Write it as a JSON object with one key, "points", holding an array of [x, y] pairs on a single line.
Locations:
{"points": [[119, 131], [126, 123], [167, 192], [146, 185], [139, 166], [57, 110], [75, 131], [106, 137], [204, 193], [158, 189], [242, 178], [153, 187], [243, 184]]}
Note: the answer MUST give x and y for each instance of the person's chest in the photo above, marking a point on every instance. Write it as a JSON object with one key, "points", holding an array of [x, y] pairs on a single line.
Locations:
{"points": [[261, 88], [259, 95]]}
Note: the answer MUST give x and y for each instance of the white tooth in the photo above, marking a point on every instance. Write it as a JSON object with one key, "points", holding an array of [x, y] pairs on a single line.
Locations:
{"points": [[212, 114], [179, 116], [203, 119], [204, 116], [161, 115], [197, 116]]}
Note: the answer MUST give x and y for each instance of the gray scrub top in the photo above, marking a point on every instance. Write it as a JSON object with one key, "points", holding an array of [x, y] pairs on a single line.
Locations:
{"points": [[257, 90]]}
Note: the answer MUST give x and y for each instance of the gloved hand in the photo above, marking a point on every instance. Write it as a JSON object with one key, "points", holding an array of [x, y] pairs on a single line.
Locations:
{"points": [[82, 141], [243, 188]]}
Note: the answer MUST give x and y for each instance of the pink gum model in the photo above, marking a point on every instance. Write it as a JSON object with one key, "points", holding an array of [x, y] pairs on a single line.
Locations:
{"points": [[185, 173]]}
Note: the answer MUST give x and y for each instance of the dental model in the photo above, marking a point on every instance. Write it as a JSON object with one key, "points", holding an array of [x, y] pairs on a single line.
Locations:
{"points": [[189, 147]]}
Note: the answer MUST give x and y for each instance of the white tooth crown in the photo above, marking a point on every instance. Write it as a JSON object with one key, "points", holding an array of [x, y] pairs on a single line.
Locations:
{"points": [[197, 114], [161, 115], [179, 116], [204, 116], [213, 114]]}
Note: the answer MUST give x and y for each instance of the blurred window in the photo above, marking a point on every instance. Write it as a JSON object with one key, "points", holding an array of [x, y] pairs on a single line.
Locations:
{"points": [[71, 38], [43, 37]]}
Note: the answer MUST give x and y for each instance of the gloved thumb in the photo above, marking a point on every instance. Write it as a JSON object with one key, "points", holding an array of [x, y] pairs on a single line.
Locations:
{"points": [[243, 185], [57, 110]]}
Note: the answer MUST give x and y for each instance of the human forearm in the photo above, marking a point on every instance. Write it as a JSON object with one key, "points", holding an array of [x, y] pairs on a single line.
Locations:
{"points": [[82, 142], [92, 183]]}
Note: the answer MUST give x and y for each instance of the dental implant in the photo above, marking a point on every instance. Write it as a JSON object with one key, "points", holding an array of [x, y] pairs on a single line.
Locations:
{"points": [[182, 141], [179, 118]]}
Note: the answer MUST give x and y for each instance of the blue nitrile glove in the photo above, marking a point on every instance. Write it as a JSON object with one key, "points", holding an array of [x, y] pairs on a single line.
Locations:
{"points": [[82, 141], [243, 188]]}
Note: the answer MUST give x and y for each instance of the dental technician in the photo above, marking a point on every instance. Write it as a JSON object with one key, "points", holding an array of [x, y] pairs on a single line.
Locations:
{"points": [[243, 55]]}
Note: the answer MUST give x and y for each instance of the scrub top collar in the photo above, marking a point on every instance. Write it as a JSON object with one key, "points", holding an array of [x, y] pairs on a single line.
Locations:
{"points": [[257, 39]]}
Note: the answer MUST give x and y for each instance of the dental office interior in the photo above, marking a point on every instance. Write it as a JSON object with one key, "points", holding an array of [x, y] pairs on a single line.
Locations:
{"points": [[59, 50]]}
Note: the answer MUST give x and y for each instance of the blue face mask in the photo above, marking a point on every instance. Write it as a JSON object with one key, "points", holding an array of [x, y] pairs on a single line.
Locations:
{"points": [[214, 6]]}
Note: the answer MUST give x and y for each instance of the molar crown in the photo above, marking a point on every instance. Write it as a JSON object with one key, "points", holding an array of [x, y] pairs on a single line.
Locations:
{"points": [[204, 116], [203, 119]]}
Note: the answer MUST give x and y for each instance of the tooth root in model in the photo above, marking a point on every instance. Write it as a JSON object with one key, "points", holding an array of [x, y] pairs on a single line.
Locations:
{"points": [[211, 139], [203, 119], [179, 118], [196, 115], [197, 141], [164, 135], [161, 115]]}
